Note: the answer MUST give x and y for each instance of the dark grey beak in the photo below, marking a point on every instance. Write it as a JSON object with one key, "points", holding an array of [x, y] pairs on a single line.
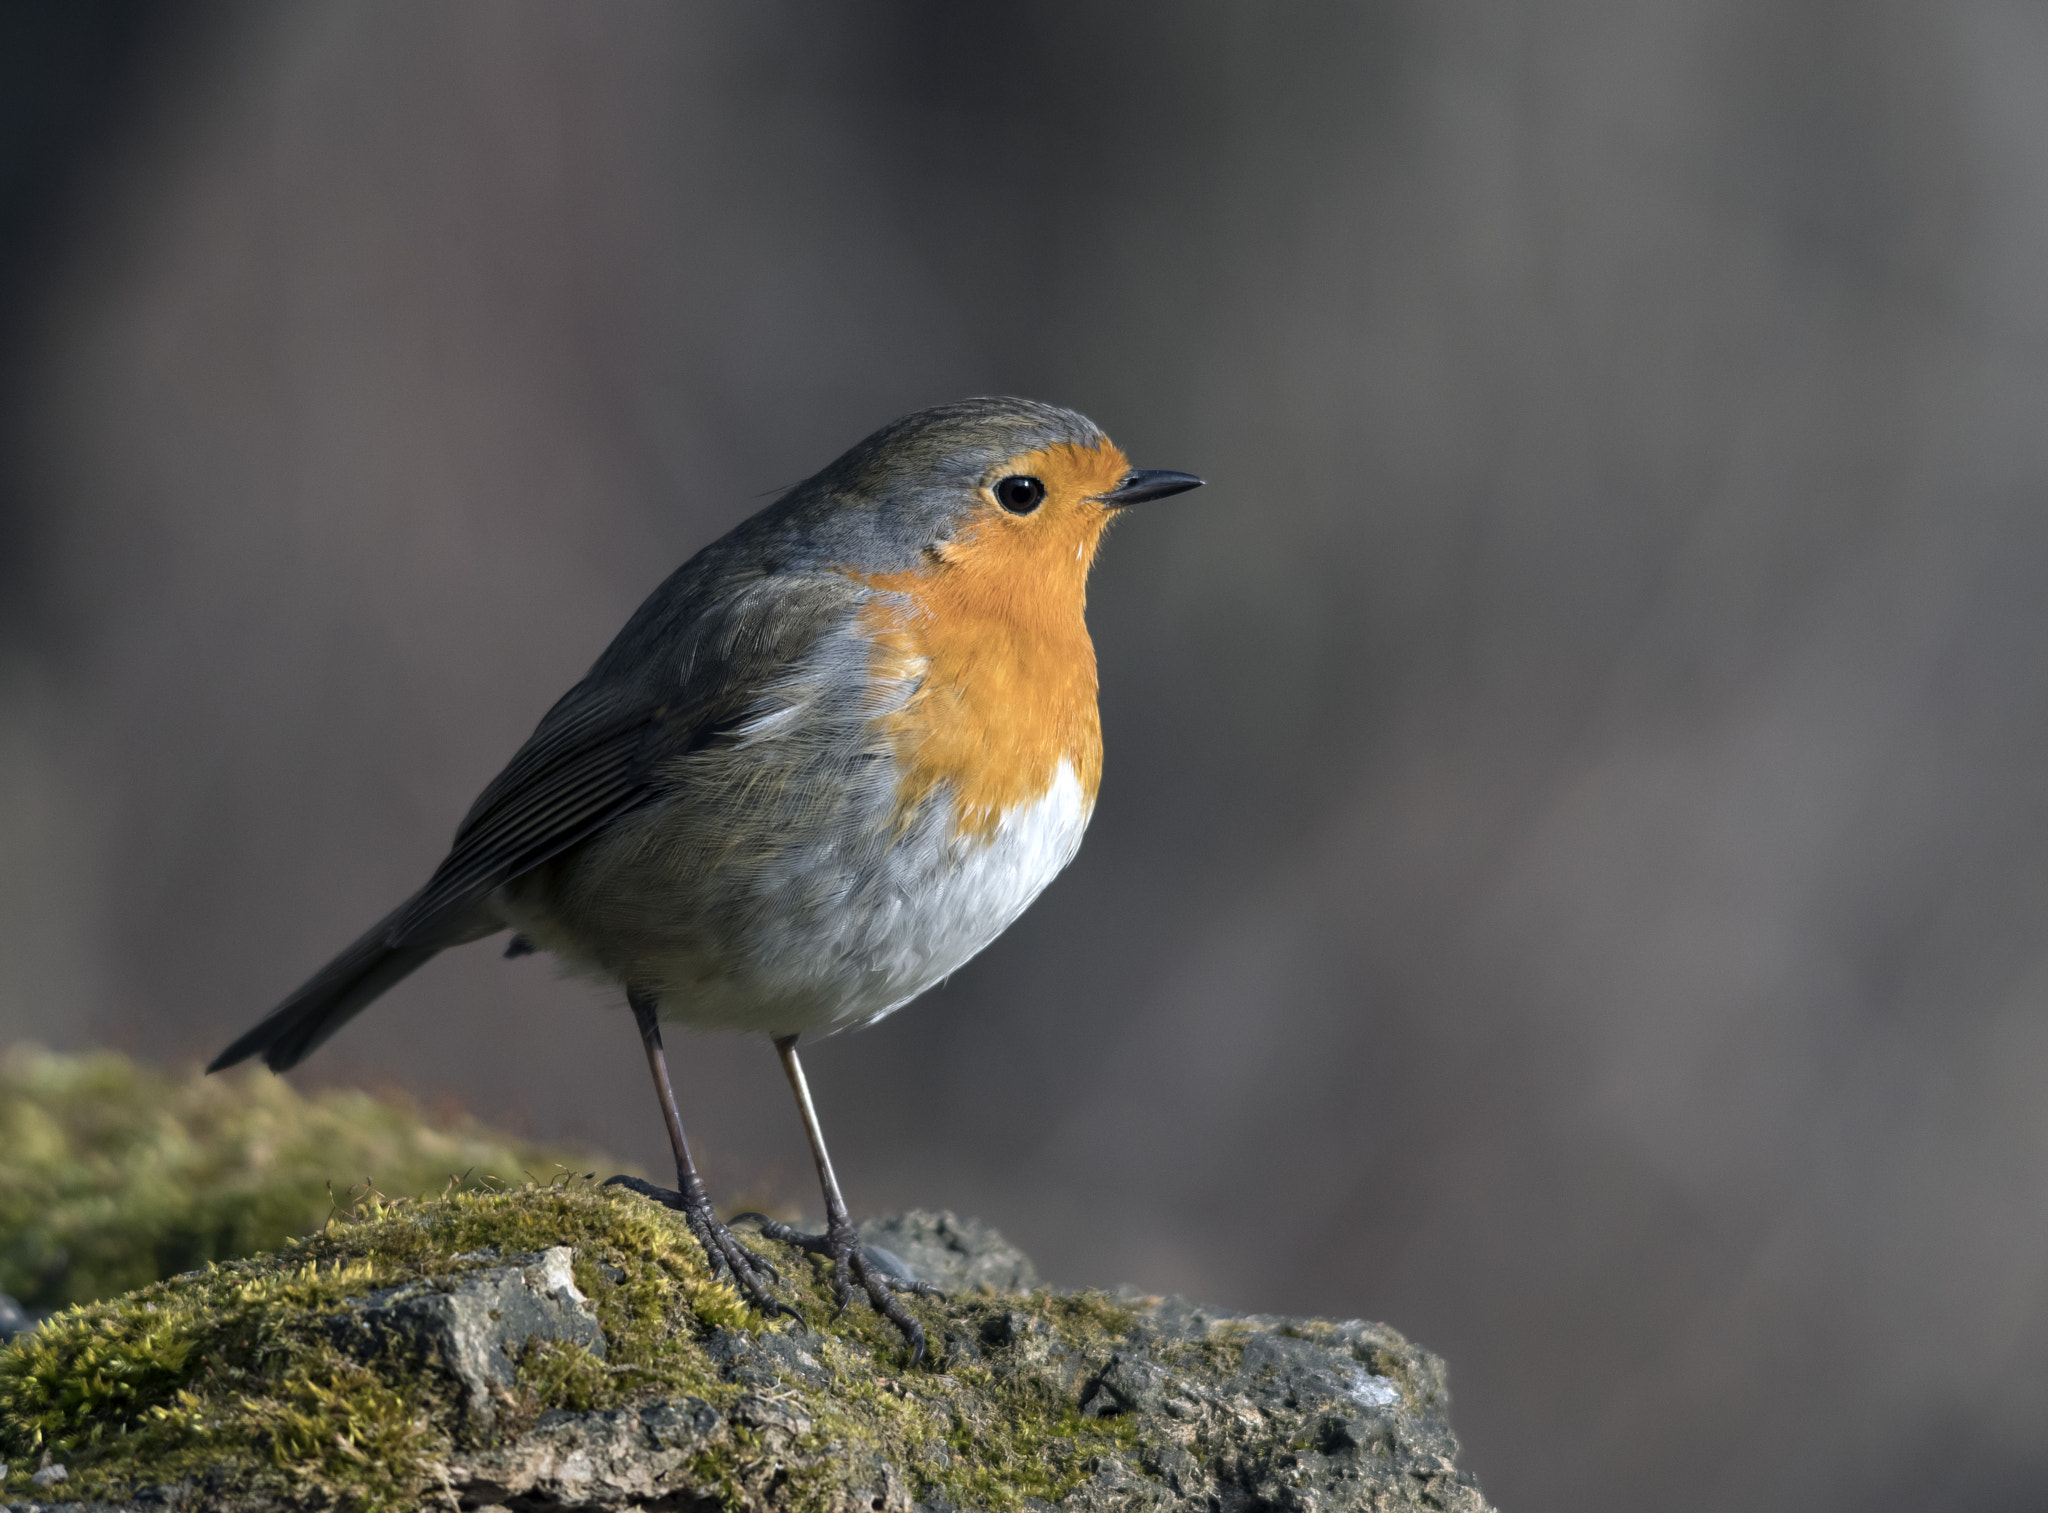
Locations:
{"points": [[1149, 483]]}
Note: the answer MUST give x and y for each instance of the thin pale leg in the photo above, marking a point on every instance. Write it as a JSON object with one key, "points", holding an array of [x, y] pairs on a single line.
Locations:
{"points": [[721, 1249], [850, 1262]]}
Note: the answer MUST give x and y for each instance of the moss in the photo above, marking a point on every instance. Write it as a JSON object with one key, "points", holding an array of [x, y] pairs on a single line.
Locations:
{"points": [[218, 1367], [229, 1375], [113, 1176], [986, 1431], [1216, 1354], [208, 1371], [230, 1372]]}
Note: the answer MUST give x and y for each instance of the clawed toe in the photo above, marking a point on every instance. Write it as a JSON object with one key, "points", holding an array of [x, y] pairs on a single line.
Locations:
{"points": [[726, 1252], [786, 1234], [668, 1197], [749, 1270], [817, 1245], [881, 1291], [896, 1274], [880, 1273]]}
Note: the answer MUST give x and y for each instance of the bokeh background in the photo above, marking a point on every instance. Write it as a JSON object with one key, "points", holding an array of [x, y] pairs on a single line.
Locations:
{"points": [[1572, 873]]}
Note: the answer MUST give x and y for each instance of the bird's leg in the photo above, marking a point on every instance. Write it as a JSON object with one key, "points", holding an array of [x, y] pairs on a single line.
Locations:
{"points": [[721, 1249], [850, 1260]]}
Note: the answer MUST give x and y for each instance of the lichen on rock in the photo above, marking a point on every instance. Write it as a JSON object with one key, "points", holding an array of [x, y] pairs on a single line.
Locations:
{"points": [[564, 1347]]}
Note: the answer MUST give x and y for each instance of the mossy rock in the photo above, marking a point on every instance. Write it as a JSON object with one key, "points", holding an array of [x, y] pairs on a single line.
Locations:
{"points": [[636, 1380], [113, 1175]]}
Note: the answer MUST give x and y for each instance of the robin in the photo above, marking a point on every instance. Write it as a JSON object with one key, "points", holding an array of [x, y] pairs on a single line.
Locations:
{"points": [[824, 764]]}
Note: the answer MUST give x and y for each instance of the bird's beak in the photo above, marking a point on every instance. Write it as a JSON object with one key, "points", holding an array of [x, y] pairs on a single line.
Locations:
{"points": [[1141, 484]]}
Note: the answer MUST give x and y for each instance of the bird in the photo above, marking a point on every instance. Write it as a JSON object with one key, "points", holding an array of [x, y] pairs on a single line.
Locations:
{"points": [[826, 762]]}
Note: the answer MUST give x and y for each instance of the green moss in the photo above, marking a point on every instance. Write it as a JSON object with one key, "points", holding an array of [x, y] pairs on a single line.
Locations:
{"points": [[985, 1431], [229, 1375], [1216, 1354], [230, 1370], [113, 1176], [219, 1366]]}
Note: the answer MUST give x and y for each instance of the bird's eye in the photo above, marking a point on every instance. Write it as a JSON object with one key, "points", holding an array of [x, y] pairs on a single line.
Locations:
{"points": [[1020, 495]]}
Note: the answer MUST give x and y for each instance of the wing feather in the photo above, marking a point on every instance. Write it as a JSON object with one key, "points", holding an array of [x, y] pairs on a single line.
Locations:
{"points": [[596, 754]]}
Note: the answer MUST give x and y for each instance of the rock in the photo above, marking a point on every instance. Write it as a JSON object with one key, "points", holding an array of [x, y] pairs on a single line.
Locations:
{"points": [[15, 1319], [957, 1255], [1220, 1410], [500, 1383], [1310, 1415], [620, 1458], [471, 1325]]}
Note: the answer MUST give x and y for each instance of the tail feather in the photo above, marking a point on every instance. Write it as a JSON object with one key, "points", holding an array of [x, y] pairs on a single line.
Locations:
{"points": [[330, 999]]}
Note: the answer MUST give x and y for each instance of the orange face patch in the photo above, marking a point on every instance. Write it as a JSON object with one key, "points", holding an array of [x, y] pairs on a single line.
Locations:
{"points": [[993, 632]]}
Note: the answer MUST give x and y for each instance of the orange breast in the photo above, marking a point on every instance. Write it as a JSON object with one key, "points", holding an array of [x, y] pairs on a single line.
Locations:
{"points": [[993, 634]]}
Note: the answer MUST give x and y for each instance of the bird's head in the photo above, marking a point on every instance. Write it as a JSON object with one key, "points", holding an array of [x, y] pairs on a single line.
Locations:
{"points": [[1011, 491]]}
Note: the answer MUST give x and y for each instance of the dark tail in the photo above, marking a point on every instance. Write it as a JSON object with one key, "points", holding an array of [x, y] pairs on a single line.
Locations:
{"points": [[336, 994]]}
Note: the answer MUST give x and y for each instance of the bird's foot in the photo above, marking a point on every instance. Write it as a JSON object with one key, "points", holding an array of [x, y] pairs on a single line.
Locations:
{"points": [[881, 1274], [749, 1270]]}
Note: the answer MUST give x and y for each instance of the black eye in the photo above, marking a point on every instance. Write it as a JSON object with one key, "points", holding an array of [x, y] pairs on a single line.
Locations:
{"points": [[1020, 495]]}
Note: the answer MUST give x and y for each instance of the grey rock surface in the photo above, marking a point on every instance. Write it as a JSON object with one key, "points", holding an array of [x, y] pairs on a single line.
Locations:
{"points": [[472, 1324], [1226, 1411], [1312, 1417], [1217, 1412], [1312, 1414], [623, 1458], [1261, 1412], [957, 1255], [15, 1319]]}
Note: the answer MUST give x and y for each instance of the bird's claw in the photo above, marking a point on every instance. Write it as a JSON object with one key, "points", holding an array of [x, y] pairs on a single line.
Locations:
{"points": [[750, 1271], [854, 1262]]}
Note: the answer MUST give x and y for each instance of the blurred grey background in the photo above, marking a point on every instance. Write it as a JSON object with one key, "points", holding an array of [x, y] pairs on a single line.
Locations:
{"points": [[1572, 874]]}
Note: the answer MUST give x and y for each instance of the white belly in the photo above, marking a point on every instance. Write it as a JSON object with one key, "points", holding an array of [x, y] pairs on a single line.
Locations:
{"points": [[830, 932], [944, 899]]}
